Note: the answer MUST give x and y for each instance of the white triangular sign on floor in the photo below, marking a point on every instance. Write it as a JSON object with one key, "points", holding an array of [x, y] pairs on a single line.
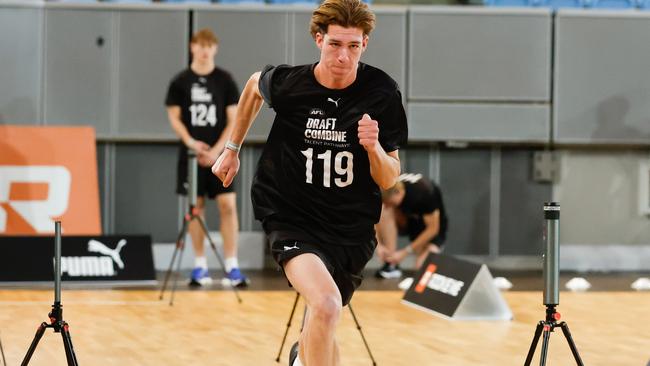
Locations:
{"points": [[456, 289]]}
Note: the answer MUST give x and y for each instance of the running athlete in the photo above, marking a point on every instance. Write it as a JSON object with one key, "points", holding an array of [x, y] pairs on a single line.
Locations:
{"points": [[334, 143]]}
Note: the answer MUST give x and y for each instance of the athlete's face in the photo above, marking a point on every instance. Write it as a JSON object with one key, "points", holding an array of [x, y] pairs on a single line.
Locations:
{"points": [[203, 52], [341, 49]]}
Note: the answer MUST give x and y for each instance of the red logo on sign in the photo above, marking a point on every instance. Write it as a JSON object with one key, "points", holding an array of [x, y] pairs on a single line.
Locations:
{"points": [[424, 280]]}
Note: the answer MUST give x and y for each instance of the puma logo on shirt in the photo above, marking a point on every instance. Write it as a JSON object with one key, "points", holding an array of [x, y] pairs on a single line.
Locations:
{"points": [[286, 248], [336, 102]]}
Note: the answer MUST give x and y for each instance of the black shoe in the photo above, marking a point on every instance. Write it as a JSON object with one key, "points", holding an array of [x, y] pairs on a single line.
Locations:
{"points": [[389, 271], [293, 353]]}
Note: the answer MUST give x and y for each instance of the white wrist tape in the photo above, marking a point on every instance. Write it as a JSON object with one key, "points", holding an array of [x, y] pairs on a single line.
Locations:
{"points": [[233, 146]]}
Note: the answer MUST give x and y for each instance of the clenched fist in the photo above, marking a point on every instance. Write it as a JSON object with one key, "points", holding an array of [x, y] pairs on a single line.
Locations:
{"points": [[226, 166], [368, 132]]}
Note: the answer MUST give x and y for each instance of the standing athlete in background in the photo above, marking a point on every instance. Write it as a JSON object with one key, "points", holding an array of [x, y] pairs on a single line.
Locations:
{"points": [[334, 143], [201, 106]]}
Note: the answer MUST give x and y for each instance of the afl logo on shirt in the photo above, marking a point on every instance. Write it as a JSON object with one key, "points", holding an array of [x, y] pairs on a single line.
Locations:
{"points": [[316, 112]]}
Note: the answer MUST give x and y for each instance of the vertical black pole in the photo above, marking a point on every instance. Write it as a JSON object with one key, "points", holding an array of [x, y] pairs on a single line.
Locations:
{"points": [[552, 253], [57, 263]]}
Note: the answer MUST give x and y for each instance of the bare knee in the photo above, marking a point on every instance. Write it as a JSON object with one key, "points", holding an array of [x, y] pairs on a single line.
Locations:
{"points": [[326, 309], [227, 208]]}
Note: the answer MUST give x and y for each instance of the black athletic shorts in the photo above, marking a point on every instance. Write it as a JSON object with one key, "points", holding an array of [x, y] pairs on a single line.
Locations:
{"points": [[344, 262], [416, 225], [207, 183]]}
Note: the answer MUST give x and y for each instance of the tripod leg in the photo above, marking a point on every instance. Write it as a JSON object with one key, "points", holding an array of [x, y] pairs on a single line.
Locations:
{"points": [[572, 345], [180, 243], [32, 347], [533, 344], [214, 249], [2, 351], [360, 332], [286, 332], [67, 343], [178, 273], [545, 340]]}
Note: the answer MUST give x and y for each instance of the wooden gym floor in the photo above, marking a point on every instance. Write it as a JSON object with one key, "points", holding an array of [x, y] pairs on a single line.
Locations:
{"points": [[131, 327]]}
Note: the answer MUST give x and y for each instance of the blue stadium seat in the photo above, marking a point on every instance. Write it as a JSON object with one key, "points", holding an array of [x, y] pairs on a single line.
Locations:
{"points": [[129, 1], [77, 1], [187, 1], [614, 4], [297, 2], [508, 3], [515, 3], [557, 4], [304, 2], [243, 2]]}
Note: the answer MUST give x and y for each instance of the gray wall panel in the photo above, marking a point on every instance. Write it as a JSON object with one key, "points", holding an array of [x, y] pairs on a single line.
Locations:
{"points": [[304, 47], [421, 159], [599, 195], [386, 47], [145, 185], [479, 54], [465, 183], [78, 70], [478, 122], [20, 74], [152, 49], [522, 199], [602, 80], [243, 52]]}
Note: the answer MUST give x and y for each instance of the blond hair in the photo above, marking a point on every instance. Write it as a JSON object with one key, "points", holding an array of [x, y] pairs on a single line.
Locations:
{"points": [[345, 13], [204, 36]]}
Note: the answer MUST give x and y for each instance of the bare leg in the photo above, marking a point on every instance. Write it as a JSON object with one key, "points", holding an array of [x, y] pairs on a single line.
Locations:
{"points": [[301, 344], [422, 255], [227, 204], [310, 278], [196, 231]]}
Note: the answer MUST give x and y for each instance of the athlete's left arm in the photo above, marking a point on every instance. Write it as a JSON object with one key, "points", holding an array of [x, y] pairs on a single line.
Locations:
{"points": [[384, 167]]}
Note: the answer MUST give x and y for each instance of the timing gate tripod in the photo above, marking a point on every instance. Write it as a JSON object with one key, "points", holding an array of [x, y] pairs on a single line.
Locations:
{"points": [[551, 273], [56, 315], [293, 311], [547, 326]]}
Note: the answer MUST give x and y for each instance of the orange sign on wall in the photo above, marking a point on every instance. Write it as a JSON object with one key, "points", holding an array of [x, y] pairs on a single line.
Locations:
{"points": [[48, 174]]}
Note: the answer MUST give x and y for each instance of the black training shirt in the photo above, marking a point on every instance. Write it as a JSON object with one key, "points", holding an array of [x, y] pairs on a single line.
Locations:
{"points": [[422, 197], [203, 100], [313, 174]]}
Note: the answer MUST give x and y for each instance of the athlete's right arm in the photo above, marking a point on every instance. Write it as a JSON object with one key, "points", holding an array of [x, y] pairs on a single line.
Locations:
{"points": [[250, 103], [174, 116]]}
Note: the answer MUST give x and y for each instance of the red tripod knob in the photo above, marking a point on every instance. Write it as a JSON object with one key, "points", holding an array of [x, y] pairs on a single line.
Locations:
{"points": [[557, 316]]}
